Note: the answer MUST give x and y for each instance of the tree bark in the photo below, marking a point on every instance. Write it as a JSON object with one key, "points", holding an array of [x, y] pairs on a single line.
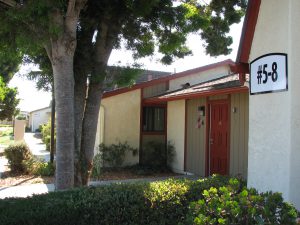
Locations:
{"points": [[64, 95], [89, 130], [52, 138], [61, 54], [80, 98]]}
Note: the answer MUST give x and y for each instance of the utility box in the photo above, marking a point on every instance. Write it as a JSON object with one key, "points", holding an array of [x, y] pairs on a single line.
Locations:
{"points": [[19, 130]]}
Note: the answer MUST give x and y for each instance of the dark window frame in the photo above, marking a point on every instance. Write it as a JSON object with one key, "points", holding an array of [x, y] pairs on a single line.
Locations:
{"points": [[153, 111]]}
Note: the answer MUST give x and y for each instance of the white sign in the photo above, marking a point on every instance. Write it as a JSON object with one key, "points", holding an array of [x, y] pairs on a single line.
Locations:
{"points": [[268, 73]]}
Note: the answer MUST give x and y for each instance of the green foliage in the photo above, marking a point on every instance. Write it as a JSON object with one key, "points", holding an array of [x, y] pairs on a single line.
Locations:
{"points": [[46, 134], [8, 101], [163, 203], [21, 117], [235, 204], [114, 155], [8, 131], [97, 165], [158, 155], [158, 203], [39, 168], [6, 135], [16, 155]]}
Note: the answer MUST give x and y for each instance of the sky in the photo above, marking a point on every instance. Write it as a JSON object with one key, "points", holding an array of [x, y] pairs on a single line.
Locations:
{"points": [[32, 99]]}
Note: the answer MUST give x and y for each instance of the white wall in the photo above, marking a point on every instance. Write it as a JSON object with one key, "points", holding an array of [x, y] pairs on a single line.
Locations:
{"points": [[274, 121], [175, 132], [294, 85], [39, 117]]}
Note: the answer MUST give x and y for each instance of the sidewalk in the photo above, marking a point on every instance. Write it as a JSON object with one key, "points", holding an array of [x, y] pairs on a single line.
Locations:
{"points": [[36, 146], [35, 189], [3, 160]]}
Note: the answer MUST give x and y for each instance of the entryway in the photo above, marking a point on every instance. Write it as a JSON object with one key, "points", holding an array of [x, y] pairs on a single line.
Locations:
{"points": [[218, 140]]}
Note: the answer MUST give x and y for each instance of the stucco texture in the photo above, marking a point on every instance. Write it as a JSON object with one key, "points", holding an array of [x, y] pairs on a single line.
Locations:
{"points": [[175, 132], [274, 121], [122, 121]]}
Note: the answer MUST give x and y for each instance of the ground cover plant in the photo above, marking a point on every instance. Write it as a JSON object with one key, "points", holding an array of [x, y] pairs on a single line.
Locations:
{"points": [[6, 135], [166, 202]]}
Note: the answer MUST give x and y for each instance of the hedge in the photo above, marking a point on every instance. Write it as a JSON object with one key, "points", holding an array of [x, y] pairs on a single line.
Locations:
{"points": [[165, 202]]}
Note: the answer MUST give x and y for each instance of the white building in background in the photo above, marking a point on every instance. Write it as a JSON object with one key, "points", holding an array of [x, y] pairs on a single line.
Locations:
{"points": [[39, 117]]}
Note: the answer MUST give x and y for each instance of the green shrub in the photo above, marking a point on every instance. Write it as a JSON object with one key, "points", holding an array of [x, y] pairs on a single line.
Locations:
{"points": [[21, 117], [158, 155], [163, 203], [235, 204], [97, 164], [39, 168], [114, 155], [16, 155], [46, 135], [158, 203]]}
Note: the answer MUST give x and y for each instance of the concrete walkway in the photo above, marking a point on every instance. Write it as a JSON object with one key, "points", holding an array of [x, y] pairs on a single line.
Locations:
{"points": [[23, 191], [36, 146]]}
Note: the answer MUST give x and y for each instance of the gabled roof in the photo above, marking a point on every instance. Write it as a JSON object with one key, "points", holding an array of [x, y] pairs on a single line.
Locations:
{"points": [[223, 85], [227, 62], [248, 31]]}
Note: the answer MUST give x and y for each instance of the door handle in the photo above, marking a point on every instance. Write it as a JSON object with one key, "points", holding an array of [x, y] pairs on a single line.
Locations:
{"points": [[211, 141]]}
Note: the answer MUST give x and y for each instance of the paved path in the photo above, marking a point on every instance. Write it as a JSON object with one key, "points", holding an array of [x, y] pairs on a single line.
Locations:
{"points": [[23, 191], [36, 146], [3, 160], [3, 163]]}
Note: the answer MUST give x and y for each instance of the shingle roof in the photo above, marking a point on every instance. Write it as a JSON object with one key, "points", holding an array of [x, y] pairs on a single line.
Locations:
{"points": [[225, 82], [148, 75]]}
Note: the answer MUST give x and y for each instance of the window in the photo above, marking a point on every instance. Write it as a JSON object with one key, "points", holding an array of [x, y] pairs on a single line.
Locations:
{"points": [[153, 119]]}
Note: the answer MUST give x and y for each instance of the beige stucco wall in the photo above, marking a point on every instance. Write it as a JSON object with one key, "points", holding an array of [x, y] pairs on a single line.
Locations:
{"points": [[175, 132], [274, 120], [122, 120], [19, 130], [39, 117], [100, 129], [199, 77]]}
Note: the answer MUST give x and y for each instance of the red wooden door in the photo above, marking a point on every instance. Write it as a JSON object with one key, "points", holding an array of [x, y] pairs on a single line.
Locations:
{"points": [[219, 135]]}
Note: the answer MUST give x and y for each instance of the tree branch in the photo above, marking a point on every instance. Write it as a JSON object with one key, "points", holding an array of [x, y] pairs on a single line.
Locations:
{"points": [[71, 8]]}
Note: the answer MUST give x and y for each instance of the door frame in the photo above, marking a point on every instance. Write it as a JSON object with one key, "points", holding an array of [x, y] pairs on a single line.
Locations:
{"points": [[208, 129]]}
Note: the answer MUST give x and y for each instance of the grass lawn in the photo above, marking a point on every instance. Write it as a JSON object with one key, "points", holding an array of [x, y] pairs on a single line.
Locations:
{"points": [[6, 135]]}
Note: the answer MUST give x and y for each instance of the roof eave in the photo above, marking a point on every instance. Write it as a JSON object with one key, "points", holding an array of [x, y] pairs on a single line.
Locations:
{"points": [[232, 90], [248, 31], [227, 62]]}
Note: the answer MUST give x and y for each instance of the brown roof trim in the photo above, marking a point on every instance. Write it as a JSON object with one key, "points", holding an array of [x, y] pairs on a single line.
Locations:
{"points": [[233, 90], [228, 62], [248, 31]]}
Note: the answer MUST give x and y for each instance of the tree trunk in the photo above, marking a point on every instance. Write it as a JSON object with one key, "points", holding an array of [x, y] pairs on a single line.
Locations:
{"points": [[64, 96], [89, 130], [80, 97], [52, 138]]}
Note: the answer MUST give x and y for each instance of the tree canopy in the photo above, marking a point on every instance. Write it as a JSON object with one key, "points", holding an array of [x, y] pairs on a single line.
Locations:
{"points": [[78, 36]]}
